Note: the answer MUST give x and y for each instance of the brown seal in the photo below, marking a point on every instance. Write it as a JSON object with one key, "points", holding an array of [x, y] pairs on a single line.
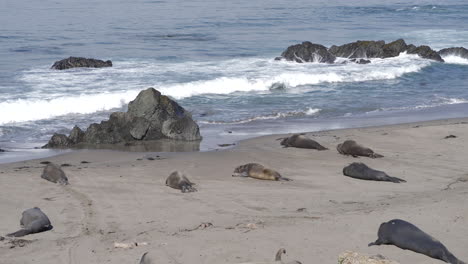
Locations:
{"points": [[258, 171], [178, 180], [301, 141], [350, 147]]}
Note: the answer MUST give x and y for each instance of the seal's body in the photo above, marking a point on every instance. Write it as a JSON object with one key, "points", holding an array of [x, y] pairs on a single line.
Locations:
{"points": [[362, 171], [258, 171], [33, 221], [178, 180], [301, 141], [407, 236], [350, 147], [54, 174]]}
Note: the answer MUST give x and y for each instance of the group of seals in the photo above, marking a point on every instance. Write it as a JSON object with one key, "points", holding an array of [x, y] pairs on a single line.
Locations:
{"points": [[258, 171], [361, 171], [407, 236], [32, 221], [178, 180]]}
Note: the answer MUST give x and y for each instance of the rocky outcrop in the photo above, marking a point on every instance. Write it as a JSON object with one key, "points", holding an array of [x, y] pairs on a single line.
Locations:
{"points": [[349, 257], [308, 52], [76, 62], [151, 116], [459, 51], [424, 52]]}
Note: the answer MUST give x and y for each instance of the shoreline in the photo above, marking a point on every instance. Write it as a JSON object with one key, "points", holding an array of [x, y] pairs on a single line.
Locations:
{"points": [[120, 197]]}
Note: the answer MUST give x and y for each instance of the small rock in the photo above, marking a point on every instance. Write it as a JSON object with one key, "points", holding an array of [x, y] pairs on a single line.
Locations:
{"points": [[450, 136]]}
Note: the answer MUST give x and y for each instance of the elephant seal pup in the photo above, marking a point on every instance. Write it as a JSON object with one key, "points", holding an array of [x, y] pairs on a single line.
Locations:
{"points": [[350, 147], [301, 141], [258, 171], [54, 174], [32, 221], [277, 259], [178, 180], [407, 236], [361, 171]]}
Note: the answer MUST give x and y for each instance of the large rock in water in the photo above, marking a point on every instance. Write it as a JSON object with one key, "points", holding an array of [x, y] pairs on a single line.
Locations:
{"points": [[459, 51], [308, 52], [76, 62], [151, 116]]}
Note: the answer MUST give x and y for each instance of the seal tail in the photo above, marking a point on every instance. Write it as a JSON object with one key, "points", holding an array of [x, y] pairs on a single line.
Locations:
{"points": [[395, 179], [19, 233], [376, 155], [284, 179]]}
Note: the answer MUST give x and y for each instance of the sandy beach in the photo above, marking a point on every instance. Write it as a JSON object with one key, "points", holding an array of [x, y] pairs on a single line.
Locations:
{"points": [[121, 197]]}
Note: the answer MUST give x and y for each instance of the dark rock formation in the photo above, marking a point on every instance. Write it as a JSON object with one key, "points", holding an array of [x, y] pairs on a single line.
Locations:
{"points": [[360, 61], [308, 52], [459, 51], [2, 150], [75, 62], [151, 116], [424, 52]]}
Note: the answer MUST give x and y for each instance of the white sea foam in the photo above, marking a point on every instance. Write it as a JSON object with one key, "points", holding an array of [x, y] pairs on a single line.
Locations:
{"points": [[86, 91], [27, 110], [453, 59], [307, 112]]}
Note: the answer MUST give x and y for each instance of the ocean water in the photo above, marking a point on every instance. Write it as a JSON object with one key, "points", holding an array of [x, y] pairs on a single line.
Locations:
{"points": [[216, 58]]}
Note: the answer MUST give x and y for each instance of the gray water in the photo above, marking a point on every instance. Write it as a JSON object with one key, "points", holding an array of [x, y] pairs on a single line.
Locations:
{"points": [[216, 59]]}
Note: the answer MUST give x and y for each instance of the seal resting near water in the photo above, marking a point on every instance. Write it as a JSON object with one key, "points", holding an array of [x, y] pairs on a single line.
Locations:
{"points": [[301, 141], [361, 171], [54, 174], [350, 147], [407, 236], [258, 171], [32, 221], [277, 259], [178, 180]]}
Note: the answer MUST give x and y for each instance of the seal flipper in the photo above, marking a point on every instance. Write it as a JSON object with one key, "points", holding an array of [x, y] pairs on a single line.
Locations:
{"points": [[20, 233], [378, 242], [375, 155], [395, 179], [284, 179]]}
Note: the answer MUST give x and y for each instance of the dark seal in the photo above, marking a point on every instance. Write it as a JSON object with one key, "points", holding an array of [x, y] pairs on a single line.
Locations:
{"points": [[362, 171], [178, 180], [350, 147], [32, 221], [407, 236], [54, 174], [301, 141]]}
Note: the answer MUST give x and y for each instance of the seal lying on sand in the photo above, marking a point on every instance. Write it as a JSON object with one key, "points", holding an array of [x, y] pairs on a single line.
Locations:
{"points": [[360, 170], [301, 141], [32, 221], [55, 174], [178, 180], [350, 147], [258, 171], [407, 236], [277, 259]]}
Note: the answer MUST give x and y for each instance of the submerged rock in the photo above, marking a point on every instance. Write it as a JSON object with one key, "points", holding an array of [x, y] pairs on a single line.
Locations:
{"points": [[308, 52], [458, 51], [151, 116], [76, 62]]}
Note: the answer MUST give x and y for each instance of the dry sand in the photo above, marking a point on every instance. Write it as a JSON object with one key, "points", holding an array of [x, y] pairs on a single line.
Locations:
{"points": [[321, 213]]}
